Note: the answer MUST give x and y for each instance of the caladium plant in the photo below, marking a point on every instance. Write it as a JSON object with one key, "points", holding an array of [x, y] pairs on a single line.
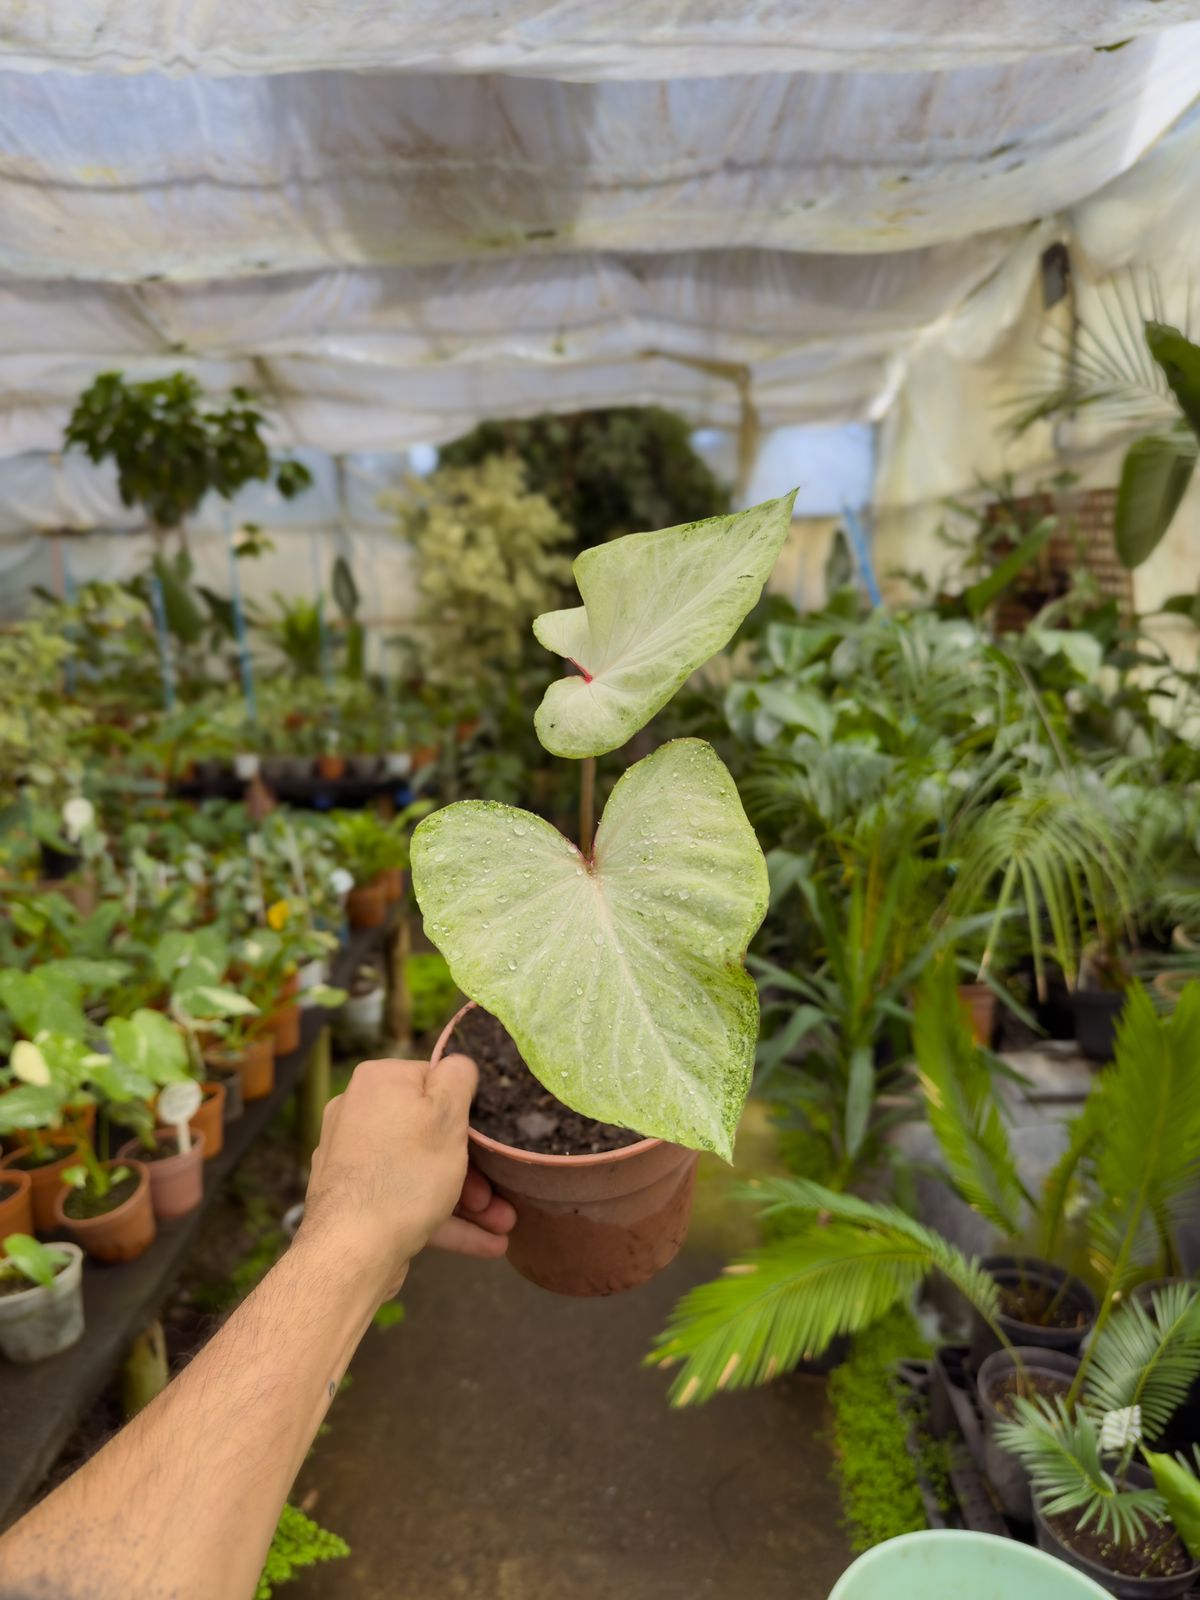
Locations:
{"points": [[616, 964]]}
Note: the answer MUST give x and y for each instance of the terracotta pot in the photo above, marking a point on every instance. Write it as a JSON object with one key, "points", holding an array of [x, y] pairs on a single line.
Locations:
{"points": [[978, 1003], [285, 1029], [229, 1079], [366, 905], [119, 1235], [176, 1182], [209, 1120], [16, 1204], [46, 1181], [331, 768], [255, 1066], [589, 1225], [393, 884]]}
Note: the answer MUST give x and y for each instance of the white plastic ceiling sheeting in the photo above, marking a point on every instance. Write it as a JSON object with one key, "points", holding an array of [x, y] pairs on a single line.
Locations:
{"points": [[134, 178], [570, 39]]}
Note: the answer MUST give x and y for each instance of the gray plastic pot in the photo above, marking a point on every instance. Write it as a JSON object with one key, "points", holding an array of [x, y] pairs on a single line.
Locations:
{"points": [[1005, 1471], [44, 1321], [1008, 1271], [1124, 1588]]}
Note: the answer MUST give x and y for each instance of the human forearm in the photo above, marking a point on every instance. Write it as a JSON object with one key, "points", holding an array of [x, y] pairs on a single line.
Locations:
{"points": [[225, 1440]]}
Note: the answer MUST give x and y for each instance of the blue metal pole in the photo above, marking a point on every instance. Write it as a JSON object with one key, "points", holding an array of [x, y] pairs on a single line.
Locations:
{"points": [[158, 606], [239, 621], [862, 555]]}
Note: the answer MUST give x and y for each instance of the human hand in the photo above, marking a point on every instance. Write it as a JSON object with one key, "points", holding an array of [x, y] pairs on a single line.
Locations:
{"points": [[390, 1174]]}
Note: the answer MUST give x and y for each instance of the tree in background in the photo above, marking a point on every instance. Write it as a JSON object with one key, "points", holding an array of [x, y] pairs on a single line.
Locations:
{"points": [[171, 445], [605, 472]]}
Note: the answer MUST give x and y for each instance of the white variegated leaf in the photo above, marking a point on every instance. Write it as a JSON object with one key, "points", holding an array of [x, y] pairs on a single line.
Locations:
{"points": [[655, 607], [619, 977]]}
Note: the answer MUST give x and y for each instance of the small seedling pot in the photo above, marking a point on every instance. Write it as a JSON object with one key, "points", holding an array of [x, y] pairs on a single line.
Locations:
{"points": [[176, 1181], [117, 1235], [16, 1204], [393, 884], [255, 1067], [363, 769], [1122, 1587], [209, 1120], [1097, 1012], [978, 1003], [366, 905], [229, 1079], [245, 766], [589, 1225], [285, 1028], [45, 1181], [43, 1321], [1074, 1296], [331, 767], [1005, 1471]]}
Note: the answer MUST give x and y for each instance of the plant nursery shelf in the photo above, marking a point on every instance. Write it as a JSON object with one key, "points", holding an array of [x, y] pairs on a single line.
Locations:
{"points": [[40, 1406]]}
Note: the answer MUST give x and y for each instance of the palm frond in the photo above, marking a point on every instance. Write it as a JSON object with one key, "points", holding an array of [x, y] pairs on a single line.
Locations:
{"points": [[1059, 1187], [795, 1295], [961, 1104], [1061, 1450], [1148, 1358], [1149, 1108]]}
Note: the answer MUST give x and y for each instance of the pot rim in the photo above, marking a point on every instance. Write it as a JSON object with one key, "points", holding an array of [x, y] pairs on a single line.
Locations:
{"points": [[535, 1158], [182, 1156], [76, 1257], [17, 1176], [141, 1172], [1089, 1566], [9, 1162]]}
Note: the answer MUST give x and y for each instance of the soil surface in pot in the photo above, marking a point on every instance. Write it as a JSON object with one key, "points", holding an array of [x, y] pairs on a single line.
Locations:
{"points": [[512, 1107], [31, 1162], [1155, 1556], [1003, 1393], [14, 1283], [81, 1204], [163, 1150], [1041, 1306]]}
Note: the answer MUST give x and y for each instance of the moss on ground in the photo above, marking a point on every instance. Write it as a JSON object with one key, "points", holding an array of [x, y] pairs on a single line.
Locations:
{"points": [[876, 1479]]}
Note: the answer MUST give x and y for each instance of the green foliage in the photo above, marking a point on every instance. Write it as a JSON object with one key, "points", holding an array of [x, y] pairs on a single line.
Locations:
{"points": [[606, 472], [31, 1260], [489, 559], [1179, 1487], [368, 844], [36, 725], [298, 1542], [790, 1298], [432, 990], [390, 1315], [1148, 1358], [171, 447], [876, 1479]]}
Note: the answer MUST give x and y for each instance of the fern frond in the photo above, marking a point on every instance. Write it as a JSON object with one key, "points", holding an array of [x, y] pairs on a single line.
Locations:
{"points": [[1061, 1451], [961, 1104], [794, 1296], [1148, 1359]]}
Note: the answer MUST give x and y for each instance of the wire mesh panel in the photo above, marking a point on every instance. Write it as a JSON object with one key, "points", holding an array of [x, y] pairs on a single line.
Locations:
{"points": [[1082, 541]]}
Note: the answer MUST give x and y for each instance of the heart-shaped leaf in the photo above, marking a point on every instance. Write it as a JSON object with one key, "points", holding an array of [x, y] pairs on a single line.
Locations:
{"points": [[149, 1045], [655, 607], [620, 978]]}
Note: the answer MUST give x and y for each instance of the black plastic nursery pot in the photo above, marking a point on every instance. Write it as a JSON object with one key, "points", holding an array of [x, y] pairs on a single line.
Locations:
{"points": [[1122, 1586], [1048, 1372], [59, 864], [1031, 1279], [1097, 1012]]}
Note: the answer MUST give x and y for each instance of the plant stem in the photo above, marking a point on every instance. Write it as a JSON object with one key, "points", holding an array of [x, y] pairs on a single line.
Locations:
{"points": [[587, 803]]}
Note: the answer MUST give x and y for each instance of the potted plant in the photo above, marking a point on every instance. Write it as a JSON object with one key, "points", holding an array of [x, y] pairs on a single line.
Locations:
{"points": [[172, 1156], [106, 1207], [375, 851], [16, 1203], [609, 972], [41, 1298], [1130, 1524]]}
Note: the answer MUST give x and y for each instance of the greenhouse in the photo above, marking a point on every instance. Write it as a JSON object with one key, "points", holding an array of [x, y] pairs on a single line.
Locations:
{"points": [[599, 800]]}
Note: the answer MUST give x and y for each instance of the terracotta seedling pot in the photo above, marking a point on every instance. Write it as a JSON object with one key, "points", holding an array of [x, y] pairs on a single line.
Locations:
{"points": [[589, 1225], [393, 884], [978, 1002], [209, 1120], [285, 1019], [366, 905], [45, 1320], [331, 768], [176, 1181], [16, 1204], [118, 1235], [46, 1181], [255, 1067]]}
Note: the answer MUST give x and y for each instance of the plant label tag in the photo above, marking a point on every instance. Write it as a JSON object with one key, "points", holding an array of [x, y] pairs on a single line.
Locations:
{"points": [[178, 1104]]}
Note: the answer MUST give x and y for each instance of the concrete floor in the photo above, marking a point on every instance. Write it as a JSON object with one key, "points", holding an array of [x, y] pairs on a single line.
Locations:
{"points": [[505, 1444]]}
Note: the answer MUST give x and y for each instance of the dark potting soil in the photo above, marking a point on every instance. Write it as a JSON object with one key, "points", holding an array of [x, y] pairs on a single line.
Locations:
{"points": [[16, 1283], [512, 1107], [162, 1151], [30, 1162], [1003, 1393], [1041, 1306], [1159, 1555], [81, 1204]]}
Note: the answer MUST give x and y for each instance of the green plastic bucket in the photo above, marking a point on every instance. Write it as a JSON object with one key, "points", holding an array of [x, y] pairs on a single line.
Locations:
{"points": [[950, 1564]]}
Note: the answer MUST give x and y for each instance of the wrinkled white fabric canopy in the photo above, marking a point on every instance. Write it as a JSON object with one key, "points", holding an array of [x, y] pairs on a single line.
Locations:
{"points": [[398, 219]]}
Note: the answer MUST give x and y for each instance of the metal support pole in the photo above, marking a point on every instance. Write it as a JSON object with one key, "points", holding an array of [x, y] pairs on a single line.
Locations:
{"points": [[315, 1089]]}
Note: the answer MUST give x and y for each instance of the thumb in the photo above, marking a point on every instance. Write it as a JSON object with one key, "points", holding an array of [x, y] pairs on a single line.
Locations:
{"points": [[452, 1083]]}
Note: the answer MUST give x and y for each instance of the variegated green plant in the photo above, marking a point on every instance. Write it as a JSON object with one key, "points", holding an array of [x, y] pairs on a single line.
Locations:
{"points": [[616, 965]]}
